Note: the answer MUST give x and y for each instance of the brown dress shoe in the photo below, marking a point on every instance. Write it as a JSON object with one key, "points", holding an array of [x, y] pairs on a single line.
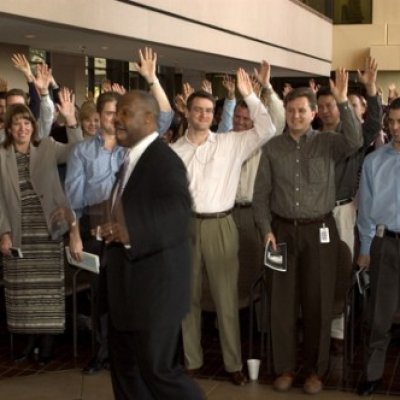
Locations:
{"points": [[192, 372], [313, 384], [283, 382], [238, 378]]}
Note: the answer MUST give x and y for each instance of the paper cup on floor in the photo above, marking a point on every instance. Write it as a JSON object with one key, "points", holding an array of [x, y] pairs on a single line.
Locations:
{"points": [[253, 367]]}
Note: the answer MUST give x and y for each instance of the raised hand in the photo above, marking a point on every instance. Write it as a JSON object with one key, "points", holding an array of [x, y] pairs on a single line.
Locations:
{"points": [[206, 86], [368, 77], [106, 86], [21, 63], [287, 88], [229, 84], [180, 103], [67, 106], [117, 88], [393, 93], [43, 78], [339, 86], [256, 85], [263, 73], [147, 65], [187, 90], [313, 85], [244, 84]]}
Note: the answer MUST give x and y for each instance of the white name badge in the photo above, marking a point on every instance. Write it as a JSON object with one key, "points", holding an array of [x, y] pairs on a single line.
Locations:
{"points": [[324, 234]]}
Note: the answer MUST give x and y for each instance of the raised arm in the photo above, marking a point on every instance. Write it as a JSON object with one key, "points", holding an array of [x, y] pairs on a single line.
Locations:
{"points": [[147, 69], [42, 81], [74, 132], [226, 123], [351, 140], [21, 64], [373, 120], [271, 99], [263, 128]]}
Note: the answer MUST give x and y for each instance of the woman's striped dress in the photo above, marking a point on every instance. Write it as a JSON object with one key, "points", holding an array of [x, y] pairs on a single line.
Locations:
{"points": [[34, 284]]}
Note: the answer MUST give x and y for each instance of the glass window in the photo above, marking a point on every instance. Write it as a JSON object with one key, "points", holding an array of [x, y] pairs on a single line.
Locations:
{"points": [[343, 11]]}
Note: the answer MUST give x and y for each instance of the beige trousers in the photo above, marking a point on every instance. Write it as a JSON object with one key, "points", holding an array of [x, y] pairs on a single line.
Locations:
{"points": [[215, 252]]}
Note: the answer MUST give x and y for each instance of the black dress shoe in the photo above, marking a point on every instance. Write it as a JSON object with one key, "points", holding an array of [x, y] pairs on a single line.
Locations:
{"points": [[368, 387], [94, 366], [20, 358], [44, 360]]}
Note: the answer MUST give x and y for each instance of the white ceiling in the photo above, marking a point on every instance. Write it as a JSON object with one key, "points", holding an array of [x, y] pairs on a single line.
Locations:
{"points": [[66, 39]]}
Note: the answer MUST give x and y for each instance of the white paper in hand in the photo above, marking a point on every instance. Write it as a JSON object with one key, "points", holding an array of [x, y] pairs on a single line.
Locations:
{"points": [[90, 262], [276, 260]]}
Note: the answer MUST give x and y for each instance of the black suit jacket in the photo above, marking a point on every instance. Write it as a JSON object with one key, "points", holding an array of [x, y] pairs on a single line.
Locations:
{"points": [[148, 286]]}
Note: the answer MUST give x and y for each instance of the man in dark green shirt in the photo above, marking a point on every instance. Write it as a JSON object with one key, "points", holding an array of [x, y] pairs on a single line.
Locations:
{"points": [[294, 196]]}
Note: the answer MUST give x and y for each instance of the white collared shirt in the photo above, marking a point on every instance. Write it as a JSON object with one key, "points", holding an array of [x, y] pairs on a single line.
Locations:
{"points": [[214, 166], [133, 154]]}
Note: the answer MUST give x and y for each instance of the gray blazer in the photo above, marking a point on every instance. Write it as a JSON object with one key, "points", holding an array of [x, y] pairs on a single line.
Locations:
{"points": [[44, 177]]}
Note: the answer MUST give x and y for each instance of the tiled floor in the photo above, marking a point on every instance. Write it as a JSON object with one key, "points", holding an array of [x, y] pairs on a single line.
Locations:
{"points": [[61, 379], [72, 385]]}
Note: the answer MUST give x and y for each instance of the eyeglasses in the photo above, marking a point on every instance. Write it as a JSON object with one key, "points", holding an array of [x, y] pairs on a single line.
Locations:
{"points": [[200, 110]]}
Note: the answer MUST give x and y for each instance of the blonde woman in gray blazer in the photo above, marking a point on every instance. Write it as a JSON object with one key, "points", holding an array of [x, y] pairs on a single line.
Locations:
{"points": [[33, 218]]}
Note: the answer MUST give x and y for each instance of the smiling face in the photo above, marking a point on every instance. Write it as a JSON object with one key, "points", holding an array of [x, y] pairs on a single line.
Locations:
{"points": [[200, 114], [136, 118], [21, 130], [299, 116], [107, 117], [328, 112], [91, 124], [241, 119]]}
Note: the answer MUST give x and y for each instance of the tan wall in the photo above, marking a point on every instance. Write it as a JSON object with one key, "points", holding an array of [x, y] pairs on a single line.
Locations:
{"points": [[69, 71], [381, 39], [14, 78], [281, 22]]}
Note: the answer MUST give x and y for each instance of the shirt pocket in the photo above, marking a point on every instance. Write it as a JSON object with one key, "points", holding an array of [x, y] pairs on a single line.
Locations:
{"points": [[317, 170]]}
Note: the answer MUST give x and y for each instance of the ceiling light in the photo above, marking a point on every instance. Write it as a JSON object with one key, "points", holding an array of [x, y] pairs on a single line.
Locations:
{"points": [[30, 36]]}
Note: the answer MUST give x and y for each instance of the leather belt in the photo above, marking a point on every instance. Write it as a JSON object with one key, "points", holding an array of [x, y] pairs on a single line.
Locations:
{"points": [[392, 234], [343, 202], [243, 204], [303, 221], [216, 215]]}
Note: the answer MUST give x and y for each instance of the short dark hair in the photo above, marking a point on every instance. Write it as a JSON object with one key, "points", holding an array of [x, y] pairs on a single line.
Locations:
{"points": [[19, 110], [394, 105], [17, 92], [324, 91], [149, 102], [302, 92], [242, 104], [3, 95], [104, 98], [202, 95]]}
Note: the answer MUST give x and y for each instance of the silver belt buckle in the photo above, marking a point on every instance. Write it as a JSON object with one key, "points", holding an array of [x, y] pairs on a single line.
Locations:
{"points": [[380, 230]]}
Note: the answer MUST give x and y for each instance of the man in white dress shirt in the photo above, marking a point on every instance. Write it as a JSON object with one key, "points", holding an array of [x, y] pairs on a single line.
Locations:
{"points": [[214, 162]]}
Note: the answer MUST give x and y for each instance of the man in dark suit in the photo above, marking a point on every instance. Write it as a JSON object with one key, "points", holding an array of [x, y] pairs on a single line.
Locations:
{"points": [[149, 260]]}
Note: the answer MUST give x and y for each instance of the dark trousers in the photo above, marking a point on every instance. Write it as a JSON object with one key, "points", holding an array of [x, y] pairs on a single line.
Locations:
{"points": [[309, 286], [98, 282], [145, 365], [384, 301]]}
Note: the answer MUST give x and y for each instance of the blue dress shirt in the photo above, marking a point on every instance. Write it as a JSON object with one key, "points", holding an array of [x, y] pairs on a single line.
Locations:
{"points": [[91, 169], [379, 194], [91, 173]]}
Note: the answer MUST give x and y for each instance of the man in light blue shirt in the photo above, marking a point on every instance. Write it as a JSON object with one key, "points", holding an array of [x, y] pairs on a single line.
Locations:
{"points": [[379, 227]]}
